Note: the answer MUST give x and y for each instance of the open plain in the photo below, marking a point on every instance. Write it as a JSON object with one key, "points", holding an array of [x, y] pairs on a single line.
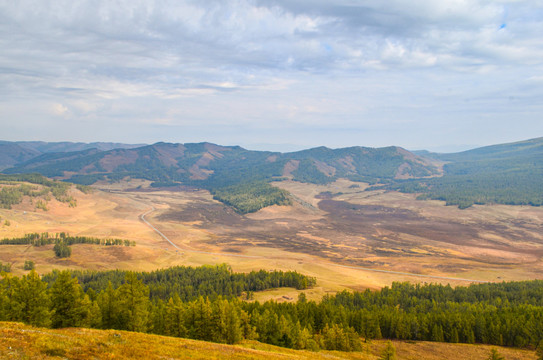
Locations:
{"points": [[340, 233]]}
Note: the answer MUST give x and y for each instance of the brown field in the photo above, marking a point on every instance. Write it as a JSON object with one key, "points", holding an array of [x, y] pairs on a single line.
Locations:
{"points": [[338, 233], [18, 341]]}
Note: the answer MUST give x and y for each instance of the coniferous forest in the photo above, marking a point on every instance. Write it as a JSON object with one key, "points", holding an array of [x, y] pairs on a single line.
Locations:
{"points": [[208, 303]]}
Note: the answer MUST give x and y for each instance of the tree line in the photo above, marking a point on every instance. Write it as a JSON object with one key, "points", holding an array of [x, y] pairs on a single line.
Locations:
{"points": [[190, 282], [41, 239], [62, 242], [508, 314]]}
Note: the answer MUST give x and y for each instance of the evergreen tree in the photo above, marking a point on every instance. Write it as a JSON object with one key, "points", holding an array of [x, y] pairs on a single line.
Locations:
{"points": [[109, 304], [70, 308], [94, 319], [337, 338], [6, 294], [134, 304], [437, 333], [389, 352], [233, 324], [29, 300], [495, 355], [158, 317], [174, 324], [198, 319], [62, 250], [454, 336], [248, 330]]}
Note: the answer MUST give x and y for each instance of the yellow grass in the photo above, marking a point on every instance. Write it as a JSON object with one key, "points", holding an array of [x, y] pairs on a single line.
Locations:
{"points": [[18, 341], [116, 213]]}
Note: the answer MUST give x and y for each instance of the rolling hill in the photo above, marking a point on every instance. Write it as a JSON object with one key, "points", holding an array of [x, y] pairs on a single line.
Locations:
{"points": [[509, 174], [235, 176], [529, 147], [205, 161], [23, 341], [505, 174], [13, 153]]}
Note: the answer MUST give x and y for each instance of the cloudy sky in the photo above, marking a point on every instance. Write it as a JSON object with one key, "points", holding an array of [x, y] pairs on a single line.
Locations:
{"points": [[273, 74]]}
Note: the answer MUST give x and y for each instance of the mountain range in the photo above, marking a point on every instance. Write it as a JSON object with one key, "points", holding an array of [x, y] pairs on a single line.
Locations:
{"points": [[166, 162], [506, 173]]}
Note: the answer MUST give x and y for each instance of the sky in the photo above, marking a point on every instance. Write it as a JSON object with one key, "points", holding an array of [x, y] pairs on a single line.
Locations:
{"points": [[278, 75]]}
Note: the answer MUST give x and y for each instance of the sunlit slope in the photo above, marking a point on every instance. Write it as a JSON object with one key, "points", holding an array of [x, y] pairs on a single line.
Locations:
{"points": [[18, 341]]}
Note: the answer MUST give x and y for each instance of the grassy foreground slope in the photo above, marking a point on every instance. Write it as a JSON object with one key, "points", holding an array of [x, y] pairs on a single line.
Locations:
{"points": [[18, 341]]}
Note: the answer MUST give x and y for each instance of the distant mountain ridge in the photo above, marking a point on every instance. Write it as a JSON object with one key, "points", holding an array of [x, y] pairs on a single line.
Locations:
{"points": [[506, 173], [12, 154], [16, 152], [509, 174], [520, 148], [192, 162]]}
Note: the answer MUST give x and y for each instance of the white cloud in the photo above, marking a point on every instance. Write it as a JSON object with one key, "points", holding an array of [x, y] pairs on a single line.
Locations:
{"points": [[59, 109], [271, 64]]}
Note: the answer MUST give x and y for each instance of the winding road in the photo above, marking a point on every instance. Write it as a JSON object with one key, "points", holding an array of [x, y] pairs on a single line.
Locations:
{"points": [[142, 217]]}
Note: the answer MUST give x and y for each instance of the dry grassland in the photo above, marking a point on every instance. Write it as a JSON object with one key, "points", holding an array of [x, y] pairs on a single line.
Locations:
{"points": [[18, 341], [337, 236]]}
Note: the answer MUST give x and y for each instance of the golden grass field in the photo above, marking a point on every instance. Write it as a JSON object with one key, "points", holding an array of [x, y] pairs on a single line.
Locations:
{"points": [[18, 341], [335, 238]]}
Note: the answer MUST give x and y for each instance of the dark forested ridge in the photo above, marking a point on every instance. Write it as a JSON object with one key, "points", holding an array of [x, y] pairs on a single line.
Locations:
{"points": [[503, 174], [510, 174], [235, 176], [203, 303]]}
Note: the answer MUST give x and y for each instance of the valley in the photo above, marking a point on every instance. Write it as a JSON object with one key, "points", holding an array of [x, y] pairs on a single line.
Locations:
{"points": [[334, 231], [381, 222]]}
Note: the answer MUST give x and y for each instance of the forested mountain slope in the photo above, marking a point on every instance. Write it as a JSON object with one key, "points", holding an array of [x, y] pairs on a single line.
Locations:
{"points": [[12, 154], [236, 176], [505, 174]]}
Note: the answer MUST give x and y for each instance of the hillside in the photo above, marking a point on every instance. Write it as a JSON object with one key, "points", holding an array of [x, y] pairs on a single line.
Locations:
{"points": [[66, 146], [23, 341], [12, 154], [235, 176], [205, 161], [520, 148], [17, 152], [510, 174]]}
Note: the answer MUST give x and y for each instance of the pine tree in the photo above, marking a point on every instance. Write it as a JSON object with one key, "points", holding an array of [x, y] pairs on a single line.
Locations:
{"points": [[158, 317], [6, 289], [94, 319], [495, 355], [437, 333], [233, 324], [29, 300], [389, 352], [134, 304], [198, 320], [248, 330], [67, 302], [174, 324], [108, 301], [454, 336]]}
